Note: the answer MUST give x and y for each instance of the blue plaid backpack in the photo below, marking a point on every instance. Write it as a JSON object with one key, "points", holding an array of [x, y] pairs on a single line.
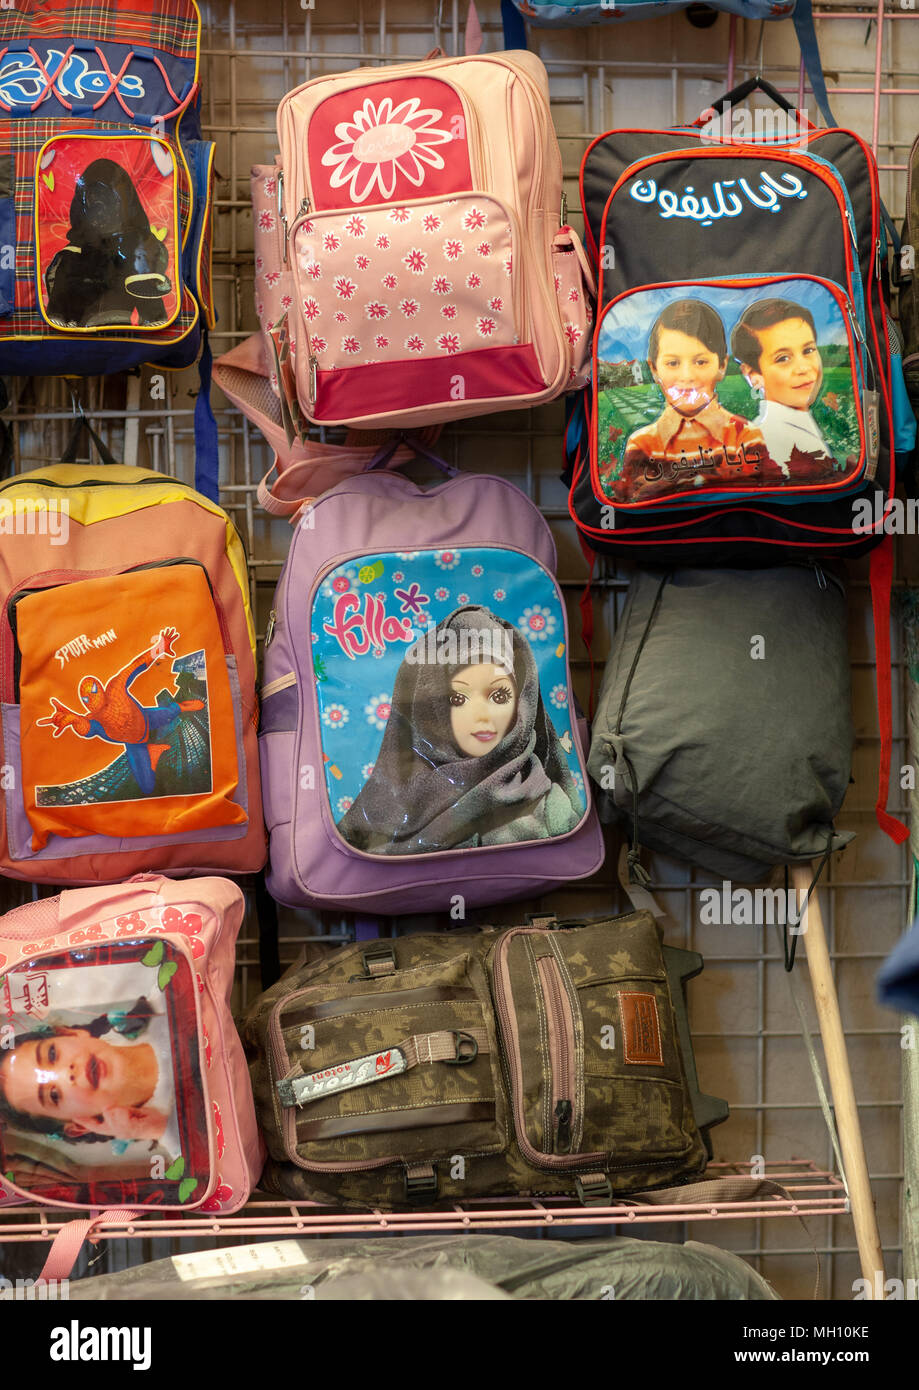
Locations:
{"points": [[106, 189]]}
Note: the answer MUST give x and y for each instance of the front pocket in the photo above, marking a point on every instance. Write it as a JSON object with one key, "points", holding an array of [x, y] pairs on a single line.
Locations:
{"points": [[105, 1101], [125, 732], [405, 1070], [441, 703], [728, 389], [542, 1036], [107, 232], [412, 295]]}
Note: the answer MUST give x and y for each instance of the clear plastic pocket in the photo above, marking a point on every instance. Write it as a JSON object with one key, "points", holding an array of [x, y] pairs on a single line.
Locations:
{"points": [[748, 387], [443, 702], [104, 1098], [107, 232]]}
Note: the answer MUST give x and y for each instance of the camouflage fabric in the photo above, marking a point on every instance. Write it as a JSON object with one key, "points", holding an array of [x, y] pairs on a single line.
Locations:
{"points": [[581, 1076]]}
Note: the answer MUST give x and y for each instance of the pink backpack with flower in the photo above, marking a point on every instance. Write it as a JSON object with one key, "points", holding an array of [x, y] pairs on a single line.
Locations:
{"points": [[123, 1084], [412, 253]]}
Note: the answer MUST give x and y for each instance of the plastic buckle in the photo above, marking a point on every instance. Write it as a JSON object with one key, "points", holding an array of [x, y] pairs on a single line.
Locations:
{"points": [[380, 955], [420, 1184], [462, 1059], [598, 1194]]}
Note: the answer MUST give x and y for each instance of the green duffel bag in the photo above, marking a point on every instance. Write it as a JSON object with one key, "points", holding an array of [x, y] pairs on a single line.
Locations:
{"points": [[543, 1059]]}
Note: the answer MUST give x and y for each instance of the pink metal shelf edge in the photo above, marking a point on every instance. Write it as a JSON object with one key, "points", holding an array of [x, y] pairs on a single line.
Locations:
{"points": [[812, 1191]]}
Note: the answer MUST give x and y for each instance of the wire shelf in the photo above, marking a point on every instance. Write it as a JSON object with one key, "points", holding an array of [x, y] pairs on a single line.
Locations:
{"points": [[811, 1191]]}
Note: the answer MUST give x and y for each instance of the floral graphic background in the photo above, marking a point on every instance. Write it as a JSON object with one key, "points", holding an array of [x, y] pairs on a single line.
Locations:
{"points": [[416, 590]]}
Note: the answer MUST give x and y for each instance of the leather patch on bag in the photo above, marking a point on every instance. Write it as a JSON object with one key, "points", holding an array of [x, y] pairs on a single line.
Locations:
{"points": [[641, 1030]]}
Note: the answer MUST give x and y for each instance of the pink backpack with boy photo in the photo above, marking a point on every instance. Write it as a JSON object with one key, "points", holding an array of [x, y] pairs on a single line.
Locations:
{"points": [[123, 1085]]}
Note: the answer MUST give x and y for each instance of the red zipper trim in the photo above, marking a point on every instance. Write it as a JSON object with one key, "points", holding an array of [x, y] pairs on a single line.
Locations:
{"points": [[50, 579], [640, 533], [749, 283]]}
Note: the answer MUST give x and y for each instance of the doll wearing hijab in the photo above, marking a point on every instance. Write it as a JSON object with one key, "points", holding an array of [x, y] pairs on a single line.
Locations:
{"points": [[469, 755]]}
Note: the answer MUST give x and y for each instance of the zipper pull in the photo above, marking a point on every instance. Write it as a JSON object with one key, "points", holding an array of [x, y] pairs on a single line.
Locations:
{"points": [[282, 217], [563, 210], [877, 257], [821, 577], [301, 212], [313, 365], [852, 233], [269, 631], [563, 1127]]}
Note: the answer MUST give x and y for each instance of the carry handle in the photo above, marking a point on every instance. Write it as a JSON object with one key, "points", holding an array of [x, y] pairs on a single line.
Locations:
{"points": [[79, 425], [740, 93]]}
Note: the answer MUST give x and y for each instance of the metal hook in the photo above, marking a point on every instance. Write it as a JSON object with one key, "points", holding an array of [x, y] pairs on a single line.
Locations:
{"points": [[78, 411]]}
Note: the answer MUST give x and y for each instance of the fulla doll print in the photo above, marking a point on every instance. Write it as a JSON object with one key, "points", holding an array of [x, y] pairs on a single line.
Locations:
{"points": [[723, 387], [443, 704]]}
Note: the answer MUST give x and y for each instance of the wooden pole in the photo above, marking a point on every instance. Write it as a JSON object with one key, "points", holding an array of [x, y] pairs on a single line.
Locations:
{"points": [[840, 1077]]}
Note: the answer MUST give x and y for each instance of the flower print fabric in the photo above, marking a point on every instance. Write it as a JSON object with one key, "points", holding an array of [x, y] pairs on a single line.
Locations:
{"points": [[425, 795], [410, 272]]}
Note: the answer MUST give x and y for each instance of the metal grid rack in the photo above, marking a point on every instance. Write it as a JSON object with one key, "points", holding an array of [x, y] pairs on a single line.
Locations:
{"points": [[747, 1043]]}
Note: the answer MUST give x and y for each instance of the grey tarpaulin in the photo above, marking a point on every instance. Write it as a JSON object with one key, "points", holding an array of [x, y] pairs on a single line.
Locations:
{"points": [[449, 1267]]}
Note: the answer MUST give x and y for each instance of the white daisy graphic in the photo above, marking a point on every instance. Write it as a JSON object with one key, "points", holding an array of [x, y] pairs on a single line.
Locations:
{"points": [[345, 803], [559, 696], [382, 141], [335, 716], [378, 710], [447, 559], [499, 595], [477, 571], [537, 623], [367, 770], [441, 594]]}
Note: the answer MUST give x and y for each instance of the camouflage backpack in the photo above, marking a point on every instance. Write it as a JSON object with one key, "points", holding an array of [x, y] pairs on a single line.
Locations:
{"points": [[548, 1058]]}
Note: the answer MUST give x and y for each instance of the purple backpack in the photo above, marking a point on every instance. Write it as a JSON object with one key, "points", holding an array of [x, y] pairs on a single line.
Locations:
{"points": [[419, 740]]}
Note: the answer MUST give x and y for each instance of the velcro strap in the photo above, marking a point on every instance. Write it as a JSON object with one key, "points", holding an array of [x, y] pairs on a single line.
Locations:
{"points": [[444, 1046]]}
